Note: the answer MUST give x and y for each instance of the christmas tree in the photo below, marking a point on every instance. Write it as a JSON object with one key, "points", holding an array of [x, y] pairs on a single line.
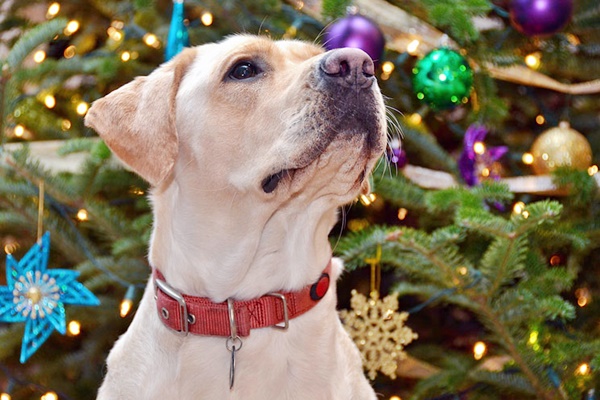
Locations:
{"points": [[483, 221]]}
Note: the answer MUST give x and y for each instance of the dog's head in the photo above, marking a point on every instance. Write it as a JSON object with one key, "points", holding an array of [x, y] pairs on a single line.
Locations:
{"points": [[255, 115]]}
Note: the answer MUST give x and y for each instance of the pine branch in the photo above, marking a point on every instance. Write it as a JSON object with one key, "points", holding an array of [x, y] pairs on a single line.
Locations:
{"points": [[42, 33]]}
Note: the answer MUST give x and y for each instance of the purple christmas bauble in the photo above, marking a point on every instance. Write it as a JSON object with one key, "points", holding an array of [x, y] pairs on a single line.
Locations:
{"points": [[540, 17], [358, 32]]}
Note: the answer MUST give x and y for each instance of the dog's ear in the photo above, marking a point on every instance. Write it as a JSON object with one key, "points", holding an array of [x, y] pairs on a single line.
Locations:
{"points": [[137, 121]]}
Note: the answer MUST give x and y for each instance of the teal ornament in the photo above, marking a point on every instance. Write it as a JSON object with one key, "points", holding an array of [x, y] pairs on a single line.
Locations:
{"points": [[442, 79], [36, 295], [178, 35]]}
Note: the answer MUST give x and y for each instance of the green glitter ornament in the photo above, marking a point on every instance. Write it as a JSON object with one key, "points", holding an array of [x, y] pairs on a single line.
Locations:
{"points": [[443, 79]]}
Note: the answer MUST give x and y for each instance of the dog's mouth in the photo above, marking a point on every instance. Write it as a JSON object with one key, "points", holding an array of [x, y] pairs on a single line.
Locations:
{"points": [[270, 183]]}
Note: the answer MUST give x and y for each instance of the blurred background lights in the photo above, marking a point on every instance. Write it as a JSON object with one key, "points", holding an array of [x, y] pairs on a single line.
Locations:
{"points": [[206, 18], [72, 27], [479, 350], [82, 108], [74, 328], [39, 56], [53, 10]]}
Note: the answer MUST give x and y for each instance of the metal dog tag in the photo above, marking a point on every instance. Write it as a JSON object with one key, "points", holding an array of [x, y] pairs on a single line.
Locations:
{"points": [[232, 368]]}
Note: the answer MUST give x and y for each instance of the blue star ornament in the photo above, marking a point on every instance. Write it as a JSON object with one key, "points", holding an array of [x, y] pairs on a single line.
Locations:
{"points": [[37, 296]]}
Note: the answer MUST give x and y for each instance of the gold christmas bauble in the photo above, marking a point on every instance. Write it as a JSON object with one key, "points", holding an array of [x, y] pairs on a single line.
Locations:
{"points": [[560, 146]]}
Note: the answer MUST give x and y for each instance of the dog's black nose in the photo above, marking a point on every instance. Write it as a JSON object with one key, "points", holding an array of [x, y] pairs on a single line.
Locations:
{"points": [[350, 67]]}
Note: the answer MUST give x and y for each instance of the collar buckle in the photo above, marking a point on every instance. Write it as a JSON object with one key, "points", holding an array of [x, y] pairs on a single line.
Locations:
{"points": [[173, 293], [286, 319]]}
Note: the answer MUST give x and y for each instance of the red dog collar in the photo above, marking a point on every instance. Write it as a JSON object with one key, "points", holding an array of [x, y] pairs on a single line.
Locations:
{"points": [[199, 315]]}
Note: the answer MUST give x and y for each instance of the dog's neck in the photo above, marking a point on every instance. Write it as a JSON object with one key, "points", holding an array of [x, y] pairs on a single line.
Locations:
{"points": [[237, 249]]}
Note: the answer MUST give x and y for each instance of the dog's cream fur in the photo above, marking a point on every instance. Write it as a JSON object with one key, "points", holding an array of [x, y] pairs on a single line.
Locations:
{"points": [[205, 142]]}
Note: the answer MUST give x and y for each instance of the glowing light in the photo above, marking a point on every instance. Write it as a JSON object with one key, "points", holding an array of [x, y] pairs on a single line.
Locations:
{"points": [[151, 40], [584, 297], [442, 77], [114, 33], [583, 369], [82, 215], [19, 130], [525, 214], [388, 67], [72, 27], [533, 60], [412, 47], [402, 212], [485, 172], [540, 120], [555, 260], [5, 396], [527, 158], [53, 9], [415, 119], [117, 24], [127, 302], [519, 207], [49, 396], [10, 248], [463, 270], [206, 18], [533, 337], [125, 56], [82, 108], [125, 307], [593, 170], [39, 56], [367, 199], [65, 124], [69, 52], [479, 350], [395, 398], [74, 328], [479, 148], [49, 101]]}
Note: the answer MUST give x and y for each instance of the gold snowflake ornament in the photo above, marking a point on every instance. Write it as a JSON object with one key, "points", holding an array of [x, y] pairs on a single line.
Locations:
{"points": [[378, 331]]}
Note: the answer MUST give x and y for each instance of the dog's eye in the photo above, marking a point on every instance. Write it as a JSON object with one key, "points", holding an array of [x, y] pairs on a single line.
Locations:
{"points": [[243, 70]]}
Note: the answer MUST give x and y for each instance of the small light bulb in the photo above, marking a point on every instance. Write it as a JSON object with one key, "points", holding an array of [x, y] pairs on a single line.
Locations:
{"points": [[518, 207], [74, 328], [151, 40], [82, 108], [39, 56], [125, 56], [479, 148], [114, 33], [117, 24], [125, 307], [367, 199], [69, 52], [49, 396], [593, 170], [206, 18], [479, 350], [387, 67], [127, 302], [82, 215], [527, 158], [72, 27], [540, 120], [533, 60], [415, 118], [402, 212], [395, 398], [65, 124], [412, 47], [583, 369], [53, 9], [5, 396], [19, 130], [49, 101]]}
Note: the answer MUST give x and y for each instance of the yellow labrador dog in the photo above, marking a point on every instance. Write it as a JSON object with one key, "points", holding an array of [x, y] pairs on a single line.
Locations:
{"points": [[250, 146]]}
